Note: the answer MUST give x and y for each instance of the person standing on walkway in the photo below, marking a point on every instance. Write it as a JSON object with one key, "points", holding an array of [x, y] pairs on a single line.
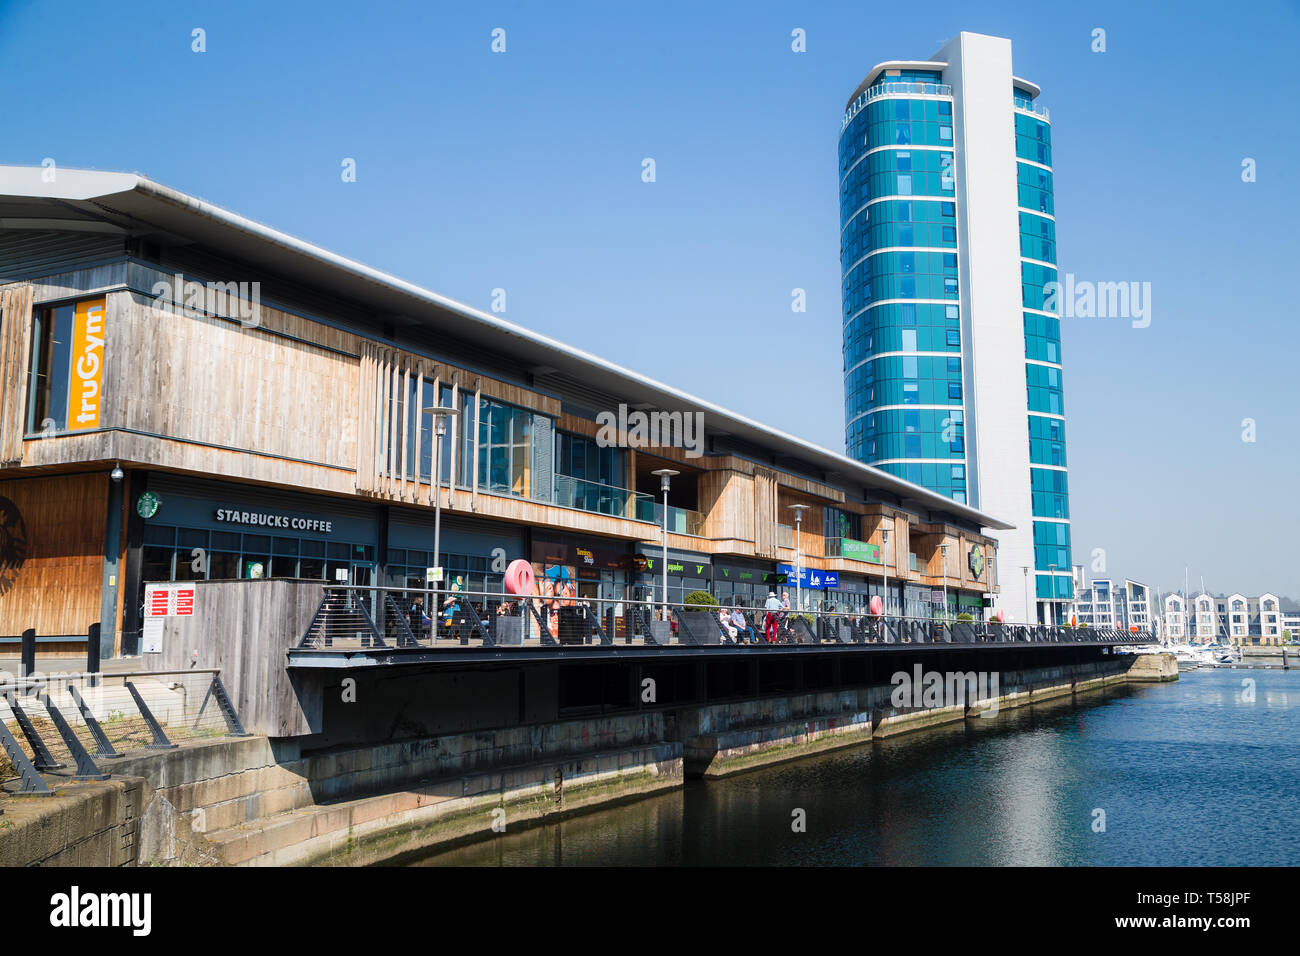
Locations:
{"points": [[773, 607]]}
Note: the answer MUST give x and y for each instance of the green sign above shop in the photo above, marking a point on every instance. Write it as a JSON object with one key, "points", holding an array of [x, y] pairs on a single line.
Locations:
{"points": [[860, 551], [146, 506]]}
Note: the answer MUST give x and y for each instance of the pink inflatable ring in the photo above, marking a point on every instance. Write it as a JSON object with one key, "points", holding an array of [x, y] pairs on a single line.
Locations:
{"points": [[519, 577]]}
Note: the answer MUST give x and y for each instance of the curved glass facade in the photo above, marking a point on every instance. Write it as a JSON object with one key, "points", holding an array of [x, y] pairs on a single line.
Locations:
{"points": [[902, 348], [1043, 380], [947, 255]]}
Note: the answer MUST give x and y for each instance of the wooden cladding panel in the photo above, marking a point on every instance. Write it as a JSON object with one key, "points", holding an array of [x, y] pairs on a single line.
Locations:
{"points": [[208, 380], [765, 498], [55, 587], [15, 350]]}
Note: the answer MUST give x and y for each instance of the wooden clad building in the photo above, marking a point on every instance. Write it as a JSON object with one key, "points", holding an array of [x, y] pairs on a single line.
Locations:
{"points": [[185, 393]]}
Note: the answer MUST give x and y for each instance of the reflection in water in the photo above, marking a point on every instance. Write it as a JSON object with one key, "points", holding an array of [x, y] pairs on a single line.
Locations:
{"points": [[1187, 773]]}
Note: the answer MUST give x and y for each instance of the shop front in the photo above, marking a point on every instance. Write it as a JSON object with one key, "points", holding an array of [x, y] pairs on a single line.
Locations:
{"points": [[853, 596], [185, 530], [687, 572], [189, 529], [972, 604], [746, 584], [474, 558], [571, 569], [808, 587]]}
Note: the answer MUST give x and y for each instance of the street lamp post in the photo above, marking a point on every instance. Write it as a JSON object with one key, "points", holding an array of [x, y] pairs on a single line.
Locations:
{"points": [[798, 555], [943, 559], [666, 475], [439, 413], [1025, 568], [884, 564]]}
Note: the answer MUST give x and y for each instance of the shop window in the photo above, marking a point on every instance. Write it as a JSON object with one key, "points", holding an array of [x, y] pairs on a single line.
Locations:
{"points": [[255, 566], [191, 563], [50, 369], [191, 538], [159, 534], [156, 563], [223, 565], [225, 541]]}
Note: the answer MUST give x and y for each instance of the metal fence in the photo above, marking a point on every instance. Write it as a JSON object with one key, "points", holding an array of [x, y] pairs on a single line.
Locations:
{"points": [[353, 618], [76, 723]]}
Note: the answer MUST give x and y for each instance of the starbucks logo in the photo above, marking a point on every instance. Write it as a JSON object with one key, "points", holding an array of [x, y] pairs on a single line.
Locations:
{"points": [[977, 560], [13, 544], [146, 505]]}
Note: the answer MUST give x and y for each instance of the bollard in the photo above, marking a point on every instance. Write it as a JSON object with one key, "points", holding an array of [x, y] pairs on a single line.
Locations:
{"points": [[92, 651], [27, 667]]}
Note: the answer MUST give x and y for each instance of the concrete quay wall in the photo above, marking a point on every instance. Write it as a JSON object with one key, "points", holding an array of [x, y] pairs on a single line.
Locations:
{"points": [[261, 801]]}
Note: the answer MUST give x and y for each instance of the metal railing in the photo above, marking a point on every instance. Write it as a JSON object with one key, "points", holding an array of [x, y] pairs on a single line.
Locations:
{"points": [[907, 87], [72, 722], [351, 618], [1029, 106], [680, 520], [602, 499]]}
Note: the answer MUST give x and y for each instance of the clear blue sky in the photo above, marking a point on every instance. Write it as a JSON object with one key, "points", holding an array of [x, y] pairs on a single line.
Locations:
{"points": [[522, 171]]}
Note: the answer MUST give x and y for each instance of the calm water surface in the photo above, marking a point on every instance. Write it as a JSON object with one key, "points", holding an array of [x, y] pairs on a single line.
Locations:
{"points": [[1188, 773]]}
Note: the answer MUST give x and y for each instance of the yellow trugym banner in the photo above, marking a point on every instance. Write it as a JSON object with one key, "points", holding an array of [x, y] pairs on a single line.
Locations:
{"points": [[85, 385]]}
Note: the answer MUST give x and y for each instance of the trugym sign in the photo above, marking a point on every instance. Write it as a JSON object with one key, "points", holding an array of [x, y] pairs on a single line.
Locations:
{"points": [[86, 383]]}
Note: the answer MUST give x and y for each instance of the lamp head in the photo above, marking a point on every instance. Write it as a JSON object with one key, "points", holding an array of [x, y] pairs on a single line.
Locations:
{"points": [[665, 476]]}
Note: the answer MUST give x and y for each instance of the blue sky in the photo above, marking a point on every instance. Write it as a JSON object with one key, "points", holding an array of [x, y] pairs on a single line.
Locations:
{"points": [[522, 171]]}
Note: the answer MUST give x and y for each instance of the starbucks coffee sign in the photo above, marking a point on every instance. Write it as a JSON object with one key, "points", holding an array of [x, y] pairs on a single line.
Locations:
{"points": [[266, 519]]}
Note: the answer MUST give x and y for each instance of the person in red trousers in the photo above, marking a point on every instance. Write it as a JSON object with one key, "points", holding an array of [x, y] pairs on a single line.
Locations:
{"points": [[773, 607]]}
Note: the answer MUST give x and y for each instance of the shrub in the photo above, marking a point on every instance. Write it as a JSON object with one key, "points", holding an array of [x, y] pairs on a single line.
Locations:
{"points": [[701, 599], [963, 616]]}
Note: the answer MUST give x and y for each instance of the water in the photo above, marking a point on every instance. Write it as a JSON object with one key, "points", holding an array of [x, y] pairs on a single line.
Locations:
{"points": [[1187, 773]]}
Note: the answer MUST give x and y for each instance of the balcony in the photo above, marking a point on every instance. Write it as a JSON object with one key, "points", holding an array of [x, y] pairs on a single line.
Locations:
{"points": [[908, 88], [1029, 106], [680, 520], [895, 88], [600, 499]]}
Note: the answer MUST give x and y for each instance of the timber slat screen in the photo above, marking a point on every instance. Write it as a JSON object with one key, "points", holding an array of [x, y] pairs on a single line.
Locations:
{"points": [[15, 347]]}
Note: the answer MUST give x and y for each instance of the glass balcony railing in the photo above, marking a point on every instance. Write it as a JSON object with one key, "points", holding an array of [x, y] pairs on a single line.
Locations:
{"points": [[599, 499], [909, 87], [894, 88], [1029, 106], [680, 520]]}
